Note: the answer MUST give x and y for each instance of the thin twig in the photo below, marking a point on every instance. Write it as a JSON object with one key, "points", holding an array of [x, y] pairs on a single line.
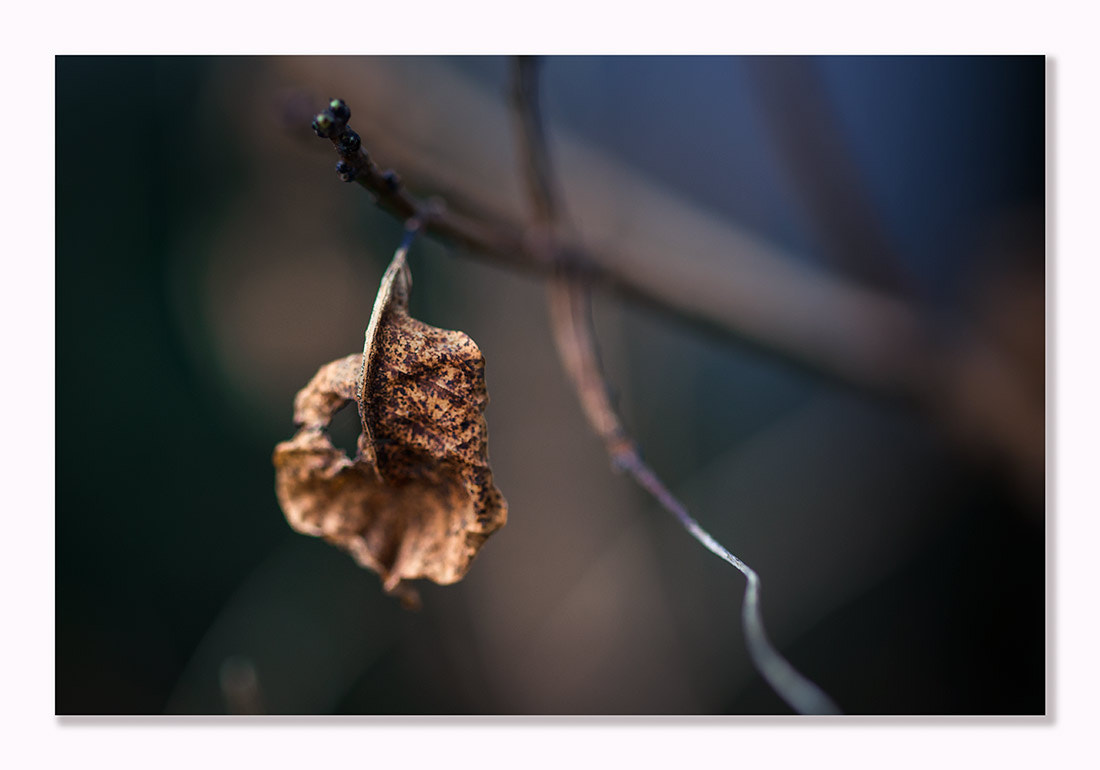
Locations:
{"points": [[570, 310], [872, 342], [498, 241], [537, 172], [830, 328], [805, 128]]}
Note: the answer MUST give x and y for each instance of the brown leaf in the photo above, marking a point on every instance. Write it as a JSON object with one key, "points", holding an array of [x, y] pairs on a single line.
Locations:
{"points": [[418, 500]]}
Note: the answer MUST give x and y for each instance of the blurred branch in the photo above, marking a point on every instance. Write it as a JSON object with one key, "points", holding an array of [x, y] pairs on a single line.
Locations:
{"points": [[804, 126], [535, 159]]}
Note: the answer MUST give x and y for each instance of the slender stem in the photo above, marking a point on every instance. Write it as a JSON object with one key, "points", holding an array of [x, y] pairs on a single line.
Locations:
{"points": [[800, 693], [570, 310], [412, 229]]}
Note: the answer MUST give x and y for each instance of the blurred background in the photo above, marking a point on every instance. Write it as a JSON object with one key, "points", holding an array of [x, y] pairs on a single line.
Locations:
{"points": [[209, 261]]}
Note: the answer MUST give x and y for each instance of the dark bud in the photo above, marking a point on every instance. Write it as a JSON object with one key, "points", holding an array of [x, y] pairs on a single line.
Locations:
{"points": [[340, 110], [392, 180], [322, 124], [349, 143], [345, 171]]}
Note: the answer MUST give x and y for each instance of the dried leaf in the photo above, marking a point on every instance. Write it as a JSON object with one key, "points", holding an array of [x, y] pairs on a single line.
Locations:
{"points": [[418, 500]]}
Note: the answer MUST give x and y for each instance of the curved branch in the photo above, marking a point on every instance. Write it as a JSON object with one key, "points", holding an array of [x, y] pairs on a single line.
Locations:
{"points": [[574, 336]]}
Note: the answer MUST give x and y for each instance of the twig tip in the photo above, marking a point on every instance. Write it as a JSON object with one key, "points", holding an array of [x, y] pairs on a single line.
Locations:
{"points": [[340, 110], [330, 122]]}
